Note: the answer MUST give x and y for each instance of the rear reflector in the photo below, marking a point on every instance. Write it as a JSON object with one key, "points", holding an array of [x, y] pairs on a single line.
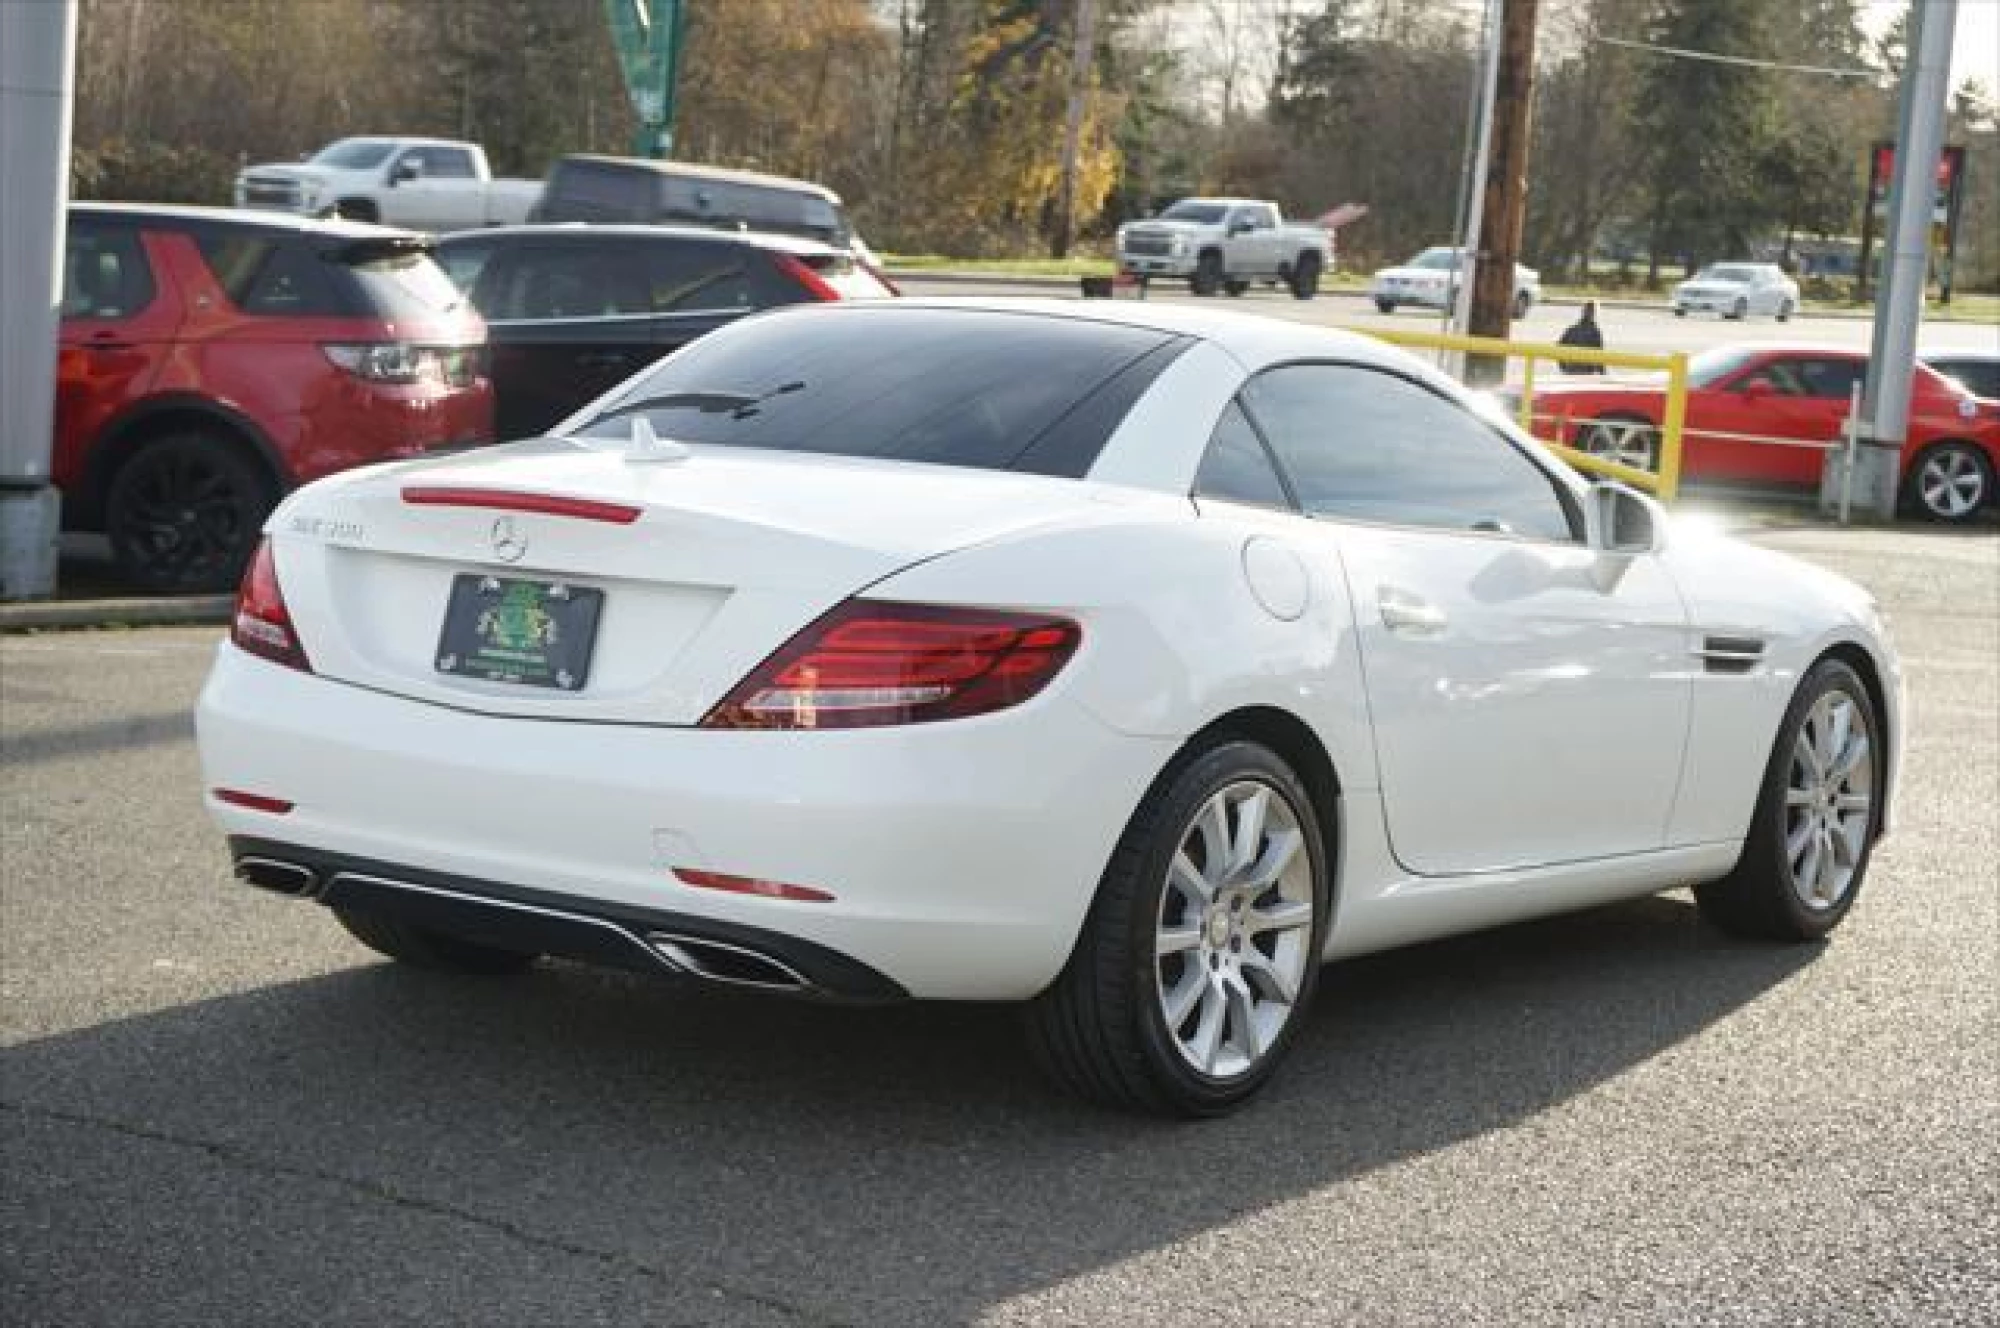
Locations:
{"points": [[513, 500], [256, 802], [749, 885], [263, 625], [868, 664]]}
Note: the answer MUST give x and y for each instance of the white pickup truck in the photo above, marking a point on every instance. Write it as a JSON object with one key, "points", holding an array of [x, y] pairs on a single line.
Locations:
{"points": [[1225, 244], [424, 184]]}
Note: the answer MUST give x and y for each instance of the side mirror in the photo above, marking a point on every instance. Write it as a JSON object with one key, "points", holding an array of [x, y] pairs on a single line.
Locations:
{"points": [[1622, 523], [404, 171], [1240, 228]]}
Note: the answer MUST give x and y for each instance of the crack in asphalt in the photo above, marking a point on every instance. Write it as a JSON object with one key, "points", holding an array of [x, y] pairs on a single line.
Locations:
{"points": [[236, 1158]]}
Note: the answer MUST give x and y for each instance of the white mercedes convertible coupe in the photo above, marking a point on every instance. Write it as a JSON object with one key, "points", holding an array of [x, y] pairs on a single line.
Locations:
{"points": [[1126, 661]]}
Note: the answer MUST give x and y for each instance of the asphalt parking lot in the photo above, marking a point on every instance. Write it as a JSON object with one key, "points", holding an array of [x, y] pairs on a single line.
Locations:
{"points": [[218, 1110]]}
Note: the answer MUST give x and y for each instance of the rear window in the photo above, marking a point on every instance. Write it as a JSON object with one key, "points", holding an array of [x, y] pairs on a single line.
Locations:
{"points": [[973, 388], [400, 284]]}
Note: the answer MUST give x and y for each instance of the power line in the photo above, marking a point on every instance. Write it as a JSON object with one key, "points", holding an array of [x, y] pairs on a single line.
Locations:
{"points": [[1712, 58]]}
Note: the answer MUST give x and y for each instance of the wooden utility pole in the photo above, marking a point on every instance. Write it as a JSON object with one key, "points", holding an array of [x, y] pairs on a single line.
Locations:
{"points": [[1505, 186], [1082, 55]]}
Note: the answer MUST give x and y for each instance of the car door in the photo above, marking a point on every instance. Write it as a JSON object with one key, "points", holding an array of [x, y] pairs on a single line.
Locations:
{"points": [[1752, 424], [567, 318], [450, 189], [118, 321], [1527, 709]]}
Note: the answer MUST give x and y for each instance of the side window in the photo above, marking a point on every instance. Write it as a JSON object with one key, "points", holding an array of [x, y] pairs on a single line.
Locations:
{"points": [[449, 164], [1369, 445], [569, 281], [1831, 379], [264, 276], [463, 263], [688, 277], [588, 191], [105, 273], [1266, 218], [1237, 468]]}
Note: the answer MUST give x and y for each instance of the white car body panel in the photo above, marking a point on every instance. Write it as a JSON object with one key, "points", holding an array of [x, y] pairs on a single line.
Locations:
{"points": [[1559, 743]]}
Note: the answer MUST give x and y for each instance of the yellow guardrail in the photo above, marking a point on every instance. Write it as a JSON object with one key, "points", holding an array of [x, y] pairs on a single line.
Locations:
{"points": [[1664, 483]]}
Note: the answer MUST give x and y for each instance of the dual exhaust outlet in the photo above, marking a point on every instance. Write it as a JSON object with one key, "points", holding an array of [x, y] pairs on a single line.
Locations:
{"points": [[723, 963]]}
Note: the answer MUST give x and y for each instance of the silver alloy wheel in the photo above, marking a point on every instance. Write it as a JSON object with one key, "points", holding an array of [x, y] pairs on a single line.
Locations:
{"points": [[1829, 801], [1627, 442], [1950, 483], [1231, 948]]}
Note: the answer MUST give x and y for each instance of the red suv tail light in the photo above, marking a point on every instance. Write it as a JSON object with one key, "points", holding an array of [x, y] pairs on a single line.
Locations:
{"points": [[263, 625], [799, 271], [868, 664]]}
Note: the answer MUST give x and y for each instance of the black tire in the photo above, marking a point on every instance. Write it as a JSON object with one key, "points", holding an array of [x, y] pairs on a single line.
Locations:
{"points": [[357, 209], [1207, 278], [1971, 483], [1758, 898], [1738, 311], [1680, 312], [1785, 311], [184, 511], [1234, 288], [1099, 1030], [424, 948], [1600, 437], [1385, 306], [1522, 303], [1305, 277]]}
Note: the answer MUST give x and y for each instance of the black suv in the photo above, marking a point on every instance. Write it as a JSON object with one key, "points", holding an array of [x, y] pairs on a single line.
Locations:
{"points": [[632, 189], [571, 311]]}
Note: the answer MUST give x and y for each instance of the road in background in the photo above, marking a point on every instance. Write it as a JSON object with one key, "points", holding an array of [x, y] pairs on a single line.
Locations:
{"points": [[218, 1110], [1649, 329]]}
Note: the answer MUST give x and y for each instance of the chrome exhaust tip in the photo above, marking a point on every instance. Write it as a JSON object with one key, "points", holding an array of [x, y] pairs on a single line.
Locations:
{"points": [[285, 878], [726, 964]]}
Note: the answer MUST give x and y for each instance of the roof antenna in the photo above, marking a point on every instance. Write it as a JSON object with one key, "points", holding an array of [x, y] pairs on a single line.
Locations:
{"points": [[648, 446]]}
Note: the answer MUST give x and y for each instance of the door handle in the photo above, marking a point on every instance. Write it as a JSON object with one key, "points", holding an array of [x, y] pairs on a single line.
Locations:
{"points": [[1409, 614]]}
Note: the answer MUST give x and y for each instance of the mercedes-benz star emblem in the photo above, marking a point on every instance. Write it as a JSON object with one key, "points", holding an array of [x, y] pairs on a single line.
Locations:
{"points": [[509, 544]]}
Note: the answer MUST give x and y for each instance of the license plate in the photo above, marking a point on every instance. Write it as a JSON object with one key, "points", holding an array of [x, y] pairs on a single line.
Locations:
{"points": [[531, 633]]}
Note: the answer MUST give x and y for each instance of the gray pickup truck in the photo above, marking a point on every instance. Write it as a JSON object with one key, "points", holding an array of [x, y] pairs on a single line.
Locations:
{"points": [[1226, 244]]}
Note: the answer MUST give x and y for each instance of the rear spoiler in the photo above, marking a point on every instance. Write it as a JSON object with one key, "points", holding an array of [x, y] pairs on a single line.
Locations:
{"points": [[372, 248]]}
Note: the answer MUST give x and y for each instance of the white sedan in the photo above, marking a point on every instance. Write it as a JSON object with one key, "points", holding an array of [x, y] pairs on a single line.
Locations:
{"points": [[1737, 291], [1430, 281], [1125, 661]]}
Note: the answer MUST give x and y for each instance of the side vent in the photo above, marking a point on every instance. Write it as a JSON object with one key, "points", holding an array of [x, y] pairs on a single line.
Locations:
{"points": [[1731, 654]]}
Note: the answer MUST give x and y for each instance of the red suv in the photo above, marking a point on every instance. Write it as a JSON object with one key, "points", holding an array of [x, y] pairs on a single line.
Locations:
{"points": [[210, 360]]}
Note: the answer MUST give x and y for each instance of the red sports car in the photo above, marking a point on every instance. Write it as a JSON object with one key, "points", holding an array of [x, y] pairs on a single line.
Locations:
{"points": [[1741, 393]]}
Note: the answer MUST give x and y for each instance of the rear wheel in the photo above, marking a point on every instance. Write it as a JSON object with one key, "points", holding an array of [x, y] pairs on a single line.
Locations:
{"points": [[1950, 482], [1201, 950], [429, 949], [1816, 817], [1522, 303], [1785, 311], [1234, 288], [1386, 306], [1207, 278], [1738, 310], [1305, 277], [1625, 439], [184, 511]]}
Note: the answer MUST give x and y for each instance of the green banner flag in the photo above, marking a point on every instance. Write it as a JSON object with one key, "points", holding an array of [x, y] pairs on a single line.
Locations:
{"points": [[648, 36]]}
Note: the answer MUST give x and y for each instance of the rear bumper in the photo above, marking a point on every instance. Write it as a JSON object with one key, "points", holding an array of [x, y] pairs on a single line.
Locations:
{"points": [[962, 856]]}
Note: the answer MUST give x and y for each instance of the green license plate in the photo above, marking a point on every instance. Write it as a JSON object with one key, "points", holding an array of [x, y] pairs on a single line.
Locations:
{"points": [[531, 633]]}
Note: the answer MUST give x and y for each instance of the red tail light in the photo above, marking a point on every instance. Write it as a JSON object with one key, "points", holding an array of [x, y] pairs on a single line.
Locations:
{"points": [[798, 271], [263, 625], [868, 664]]}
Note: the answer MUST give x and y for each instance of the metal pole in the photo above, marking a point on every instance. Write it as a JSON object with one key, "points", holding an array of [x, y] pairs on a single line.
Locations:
{"points": [[37, 72], [1899, 304], [1489, 76], [1082, 54]]}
